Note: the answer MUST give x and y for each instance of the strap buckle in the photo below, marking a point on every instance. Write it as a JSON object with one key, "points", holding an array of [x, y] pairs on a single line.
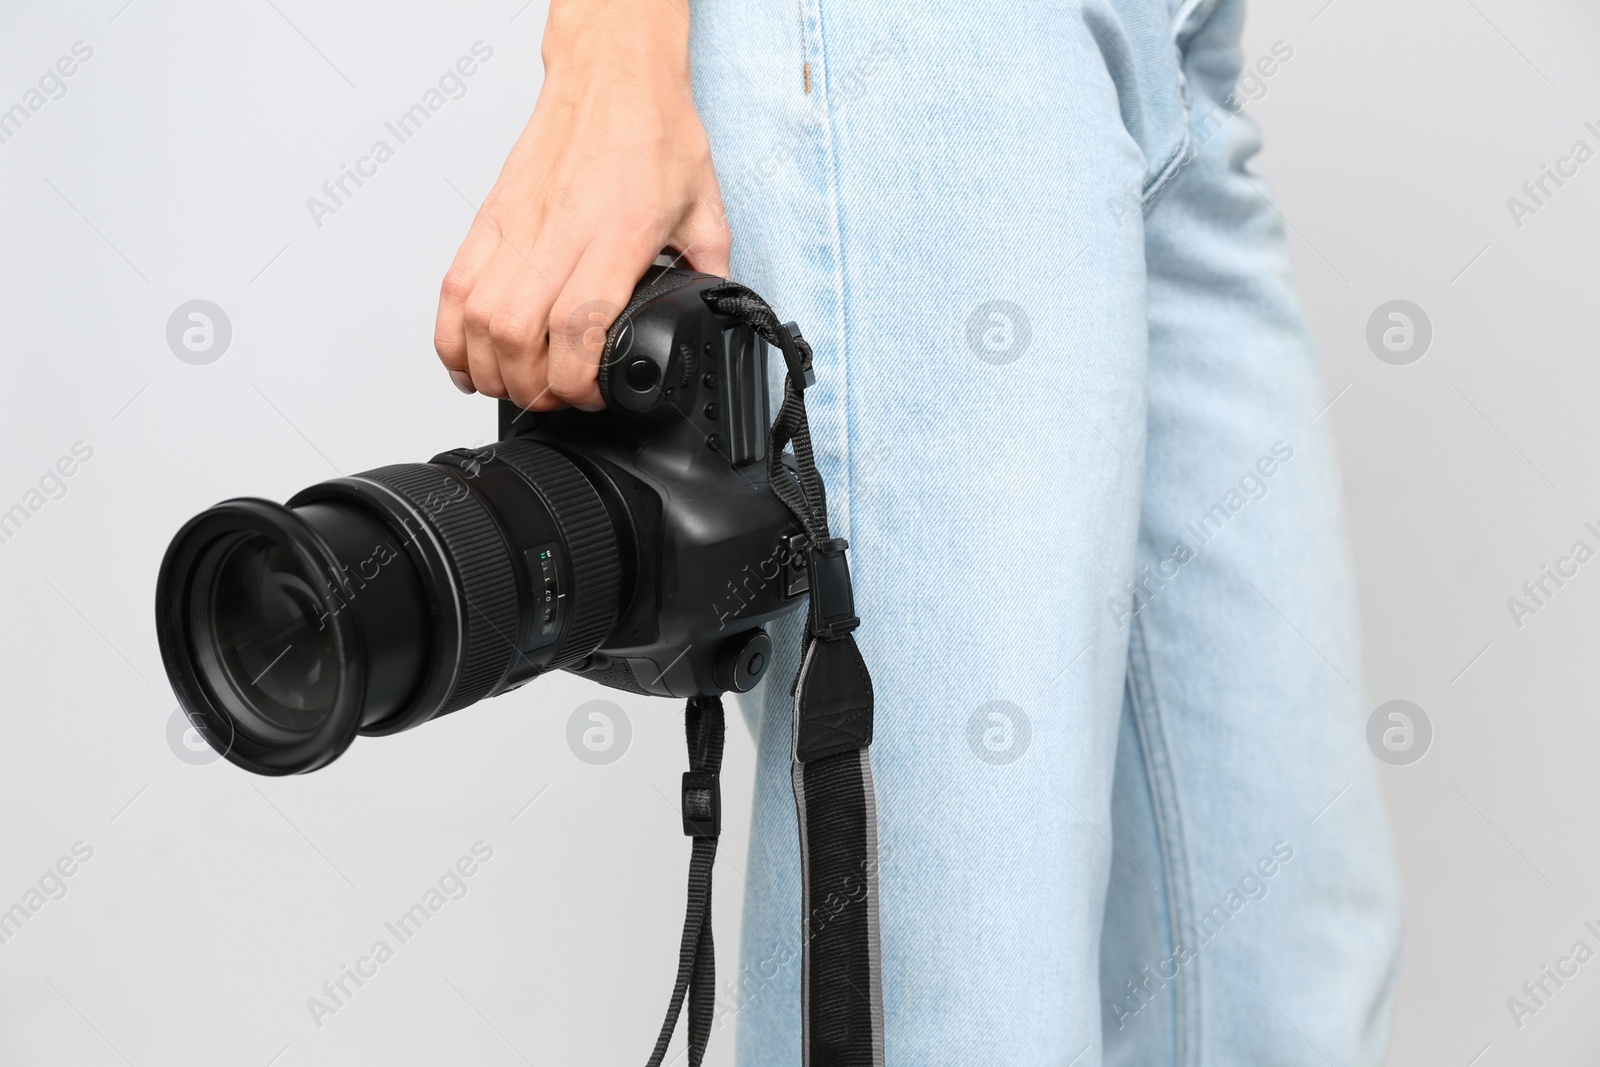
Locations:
{"points": [[833, 606], [800, 369], [702, 804]]}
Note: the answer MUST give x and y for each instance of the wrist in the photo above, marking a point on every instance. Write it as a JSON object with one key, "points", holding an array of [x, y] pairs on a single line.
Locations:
{"points": [[617, 38]]}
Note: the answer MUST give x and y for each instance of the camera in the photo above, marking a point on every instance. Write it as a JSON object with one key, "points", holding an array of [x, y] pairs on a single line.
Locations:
{"points": [[640, 546]]}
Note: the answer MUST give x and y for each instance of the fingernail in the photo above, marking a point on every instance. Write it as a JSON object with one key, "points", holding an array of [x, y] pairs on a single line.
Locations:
{"points": [[463, 381]]}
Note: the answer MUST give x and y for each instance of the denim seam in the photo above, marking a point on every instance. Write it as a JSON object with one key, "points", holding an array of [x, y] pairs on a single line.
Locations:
{"points": [[1171, 164], [1181, 155], [1174, 164], [843, 517], [1169, 835], [1189, 20]]}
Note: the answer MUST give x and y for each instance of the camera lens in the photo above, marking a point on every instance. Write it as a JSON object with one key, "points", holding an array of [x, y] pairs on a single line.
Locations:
{"points": [[266, 653], [374, 603]]}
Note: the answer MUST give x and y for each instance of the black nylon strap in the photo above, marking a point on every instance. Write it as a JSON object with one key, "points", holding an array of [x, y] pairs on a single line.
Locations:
{"points": [[841, 988], [704, 724]]}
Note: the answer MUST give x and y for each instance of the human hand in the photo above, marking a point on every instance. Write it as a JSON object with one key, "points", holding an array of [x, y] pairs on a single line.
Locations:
{"points": [[613, 168]]}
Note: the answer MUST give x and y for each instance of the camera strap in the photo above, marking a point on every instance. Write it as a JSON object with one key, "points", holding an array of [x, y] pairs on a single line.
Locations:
{"points": [[831, 768], [702, 820]]}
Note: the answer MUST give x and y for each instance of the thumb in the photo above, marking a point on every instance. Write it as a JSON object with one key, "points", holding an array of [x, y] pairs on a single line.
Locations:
{"points": [[702, 236]]}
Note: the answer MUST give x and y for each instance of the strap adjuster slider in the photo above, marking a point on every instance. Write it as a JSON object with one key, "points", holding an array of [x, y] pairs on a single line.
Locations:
{"points": [[702, 804]]}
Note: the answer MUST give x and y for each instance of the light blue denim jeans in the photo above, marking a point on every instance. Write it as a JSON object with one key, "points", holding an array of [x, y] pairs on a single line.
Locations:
{"points": [[1069, 414]]}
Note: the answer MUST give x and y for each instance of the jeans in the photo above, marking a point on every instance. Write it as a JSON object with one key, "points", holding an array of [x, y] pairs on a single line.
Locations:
{"points": [[1071, 420]]}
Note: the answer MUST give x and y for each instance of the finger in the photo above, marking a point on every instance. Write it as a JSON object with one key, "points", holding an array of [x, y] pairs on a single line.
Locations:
{"points": [[479, 312], [703, 238], [517, 331], [591, 300], [449, 327]]}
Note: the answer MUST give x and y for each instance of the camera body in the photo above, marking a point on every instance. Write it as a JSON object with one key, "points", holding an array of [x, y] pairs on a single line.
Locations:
{"points": [[679, 452]]}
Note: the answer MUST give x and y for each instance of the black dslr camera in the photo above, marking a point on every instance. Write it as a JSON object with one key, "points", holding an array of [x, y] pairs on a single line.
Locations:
{"points": [[640, 546]]}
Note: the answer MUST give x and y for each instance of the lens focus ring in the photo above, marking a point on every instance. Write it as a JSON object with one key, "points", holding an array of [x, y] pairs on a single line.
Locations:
{"points": [[590, 540], [473, 543]]}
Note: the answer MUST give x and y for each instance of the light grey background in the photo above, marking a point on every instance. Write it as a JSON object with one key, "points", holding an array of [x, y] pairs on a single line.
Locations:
{"points": [[177, 166]]}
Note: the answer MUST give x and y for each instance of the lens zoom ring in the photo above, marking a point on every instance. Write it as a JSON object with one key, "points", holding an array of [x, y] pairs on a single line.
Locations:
{"points": [[590, 540], [474, 546]]}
